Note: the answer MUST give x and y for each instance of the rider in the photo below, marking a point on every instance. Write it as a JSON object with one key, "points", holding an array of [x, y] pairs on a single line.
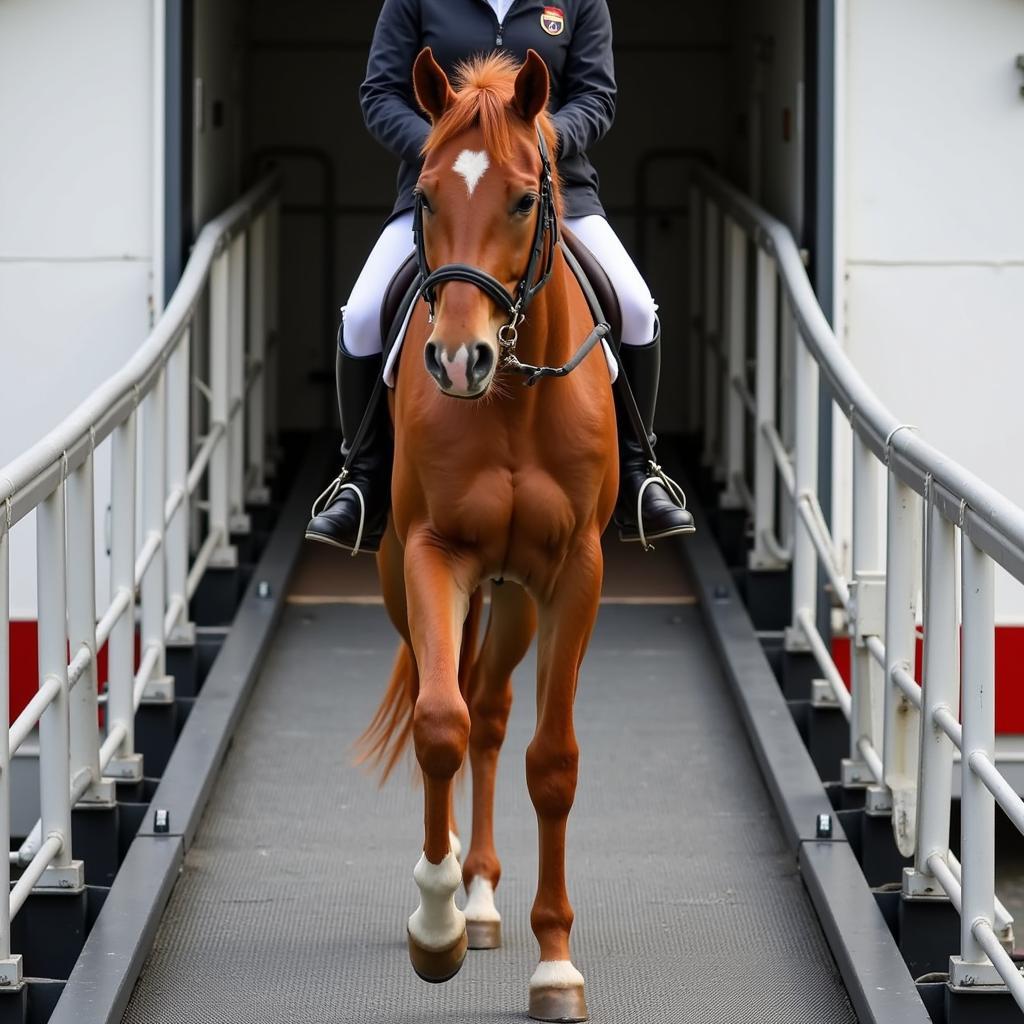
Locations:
{"points": [[575, 40]]}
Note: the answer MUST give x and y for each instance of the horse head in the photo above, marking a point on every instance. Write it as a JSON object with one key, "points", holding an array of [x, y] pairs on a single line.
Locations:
{"points": [[485, 210]]}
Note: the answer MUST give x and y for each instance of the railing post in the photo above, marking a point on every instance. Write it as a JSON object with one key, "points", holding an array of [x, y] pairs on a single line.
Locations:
{"points": [[125, 764], [255, 482], [939, 689], [766, 334], [226, 555], [695, 332], [977, 806], [160, 686], [238, 520], [902, 720], [734, 307], [788, 342], [85, 729], [270, 378], [712, 340], [62, 873], [867, 618], [805, 475], [177, 530], [10, 964]]}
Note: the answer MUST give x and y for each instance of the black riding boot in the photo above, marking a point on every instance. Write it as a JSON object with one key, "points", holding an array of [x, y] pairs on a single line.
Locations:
{"points": [[353, 512], [662, 510]]}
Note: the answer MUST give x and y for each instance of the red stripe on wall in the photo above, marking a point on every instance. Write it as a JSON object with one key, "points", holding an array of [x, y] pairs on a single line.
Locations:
{"points": [[1009, 670], [25, 664]]}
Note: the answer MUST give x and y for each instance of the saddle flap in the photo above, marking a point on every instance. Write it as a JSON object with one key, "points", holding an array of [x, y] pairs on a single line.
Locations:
{"points": [[599, 282]]}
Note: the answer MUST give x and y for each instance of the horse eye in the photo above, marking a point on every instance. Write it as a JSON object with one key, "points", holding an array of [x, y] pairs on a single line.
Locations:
{"points": [[526, 204]]}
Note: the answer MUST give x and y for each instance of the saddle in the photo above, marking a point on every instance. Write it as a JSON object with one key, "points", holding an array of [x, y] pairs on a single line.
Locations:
{"points": [[403, 288]]}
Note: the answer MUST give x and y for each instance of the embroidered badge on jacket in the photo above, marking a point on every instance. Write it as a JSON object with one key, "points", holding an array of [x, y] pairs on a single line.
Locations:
{"points": [[552, 20]]}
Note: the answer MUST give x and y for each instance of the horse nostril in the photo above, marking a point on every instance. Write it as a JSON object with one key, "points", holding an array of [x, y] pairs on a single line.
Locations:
{"points": [[433, 363], [481, 362]]}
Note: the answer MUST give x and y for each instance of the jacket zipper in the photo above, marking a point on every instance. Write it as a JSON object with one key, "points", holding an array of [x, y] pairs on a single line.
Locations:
{"points": [[499, 37]]}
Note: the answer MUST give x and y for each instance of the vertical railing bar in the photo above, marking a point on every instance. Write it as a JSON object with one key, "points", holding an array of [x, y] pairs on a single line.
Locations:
{"points": [[237, 316], [256, 490], [866, 682], [220, 402], [694, 331], [125, 764], [84, 711], [54, 726], [154, 495], [178, 430], [270, 378], [901, 719], [766, 335], [734, 330], [939, 687], [712, 340], [10, 964], [977, 806]]}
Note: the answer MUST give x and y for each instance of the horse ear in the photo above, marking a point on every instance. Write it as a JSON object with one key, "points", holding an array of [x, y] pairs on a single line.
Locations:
{"points": [[433, 90], [532, 87]]}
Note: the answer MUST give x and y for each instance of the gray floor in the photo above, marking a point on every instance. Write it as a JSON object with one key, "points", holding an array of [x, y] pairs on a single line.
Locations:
{"points": [[293, 901]]}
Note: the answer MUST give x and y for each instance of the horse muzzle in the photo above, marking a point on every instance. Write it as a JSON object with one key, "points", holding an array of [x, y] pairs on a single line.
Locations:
{"points": [[465, 373]]}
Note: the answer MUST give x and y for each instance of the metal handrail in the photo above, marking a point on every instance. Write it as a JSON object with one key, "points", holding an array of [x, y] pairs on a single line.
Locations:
{"points": [[916, 733], [231, 277]]}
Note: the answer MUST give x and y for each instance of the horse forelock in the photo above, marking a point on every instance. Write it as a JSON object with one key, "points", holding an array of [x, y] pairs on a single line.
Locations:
{"points": [[484, 90]]}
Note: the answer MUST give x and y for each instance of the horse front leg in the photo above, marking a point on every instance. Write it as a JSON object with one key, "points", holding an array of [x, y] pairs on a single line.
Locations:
{"points": [[566, 622], [438, 600], [510, 629]]}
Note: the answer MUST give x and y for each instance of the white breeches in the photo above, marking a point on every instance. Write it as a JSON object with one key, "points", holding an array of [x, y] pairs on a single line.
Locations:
{"points": [[362, 311]]}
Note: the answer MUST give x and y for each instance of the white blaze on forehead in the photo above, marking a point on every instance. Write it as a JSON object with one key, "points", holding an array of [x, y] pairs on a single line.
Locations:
{"points": [[472, 166]]}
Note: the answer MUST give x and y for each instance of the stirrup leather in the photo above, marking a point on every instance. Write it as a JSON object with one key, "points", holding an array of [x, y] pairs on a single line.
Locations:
{"points": [[331, 492], [655, 474]]}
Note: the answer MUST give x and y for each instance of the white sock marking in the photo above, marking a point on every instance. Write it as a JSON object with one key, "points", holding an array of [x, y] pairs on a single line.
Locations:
{"points": [[556, 974], [437, 923], [472, 166], [480, 905]]}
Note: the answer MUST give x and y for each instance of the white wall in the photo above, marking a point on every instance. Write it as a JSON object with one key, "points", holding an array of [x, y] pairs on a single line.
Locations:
{"points": [[933, 227], [75, 217]]}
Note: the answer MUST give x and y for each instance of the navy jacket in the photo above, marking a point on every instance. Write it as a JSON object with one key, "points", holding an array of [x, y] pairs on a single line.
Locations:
{"points": [[578, 56]]}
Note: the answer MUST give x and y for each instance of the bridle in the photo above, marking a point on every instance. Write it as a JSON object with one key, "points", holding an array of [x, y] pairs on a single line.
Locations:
{"points": [[542, 259]]}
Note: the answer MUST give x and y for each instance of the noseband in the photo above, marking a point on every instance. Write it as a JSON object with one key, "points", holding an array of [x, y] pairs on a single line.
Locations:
{"points": [[542, 258]]}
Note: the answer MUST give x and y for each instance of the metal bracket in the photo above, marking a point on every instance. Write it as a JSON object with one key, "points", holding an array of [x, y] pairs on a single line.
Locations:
{"points": [[11, 976], [126, 768], [239, 522], [867, 605], [878, 801], [855, 774], [822, 694], [794, 641], [100, 795], [967, 976], [919, 886], [225, 557], [258, 496], [184, 635], [159, 691], [70, 878]]}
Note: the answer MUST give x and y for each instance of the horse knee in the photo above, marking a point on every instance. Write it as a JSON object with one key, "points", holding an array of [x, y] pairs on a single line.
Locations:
{"points": [[440, 729], [551, 770]]}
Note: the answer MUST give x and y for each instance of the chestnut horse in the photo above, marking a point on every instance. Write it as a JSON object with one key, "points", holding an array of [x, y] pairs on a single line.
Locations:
{"points": [[516, 485]]}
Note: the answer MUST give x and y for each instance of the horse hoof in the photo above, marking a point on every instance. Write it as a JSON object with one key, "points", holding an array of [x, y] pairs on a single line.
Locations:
{"points": [[440, 965], [558, 1004], [484, 934]]}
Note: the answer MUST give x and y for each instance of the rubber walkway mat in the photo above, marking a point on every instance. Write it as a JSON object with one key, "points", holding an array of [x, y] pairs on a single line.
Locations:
{"points": [[293, 900]]}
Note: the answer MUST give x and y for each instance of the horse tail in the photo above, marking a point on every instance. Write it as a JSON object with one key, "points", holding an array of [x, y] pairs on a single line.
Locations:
{"points": [[386, 738]]}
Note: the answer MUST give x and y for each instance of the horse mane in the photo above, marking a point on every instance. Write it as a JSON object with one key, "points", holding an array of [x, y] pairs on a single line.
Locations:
{"points": [[484, 89]]}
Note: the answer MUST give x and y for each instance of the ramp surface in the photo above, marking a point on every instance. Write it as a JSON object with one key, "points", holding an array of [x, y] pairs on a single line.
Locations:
{"points": [[294, 897]]}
